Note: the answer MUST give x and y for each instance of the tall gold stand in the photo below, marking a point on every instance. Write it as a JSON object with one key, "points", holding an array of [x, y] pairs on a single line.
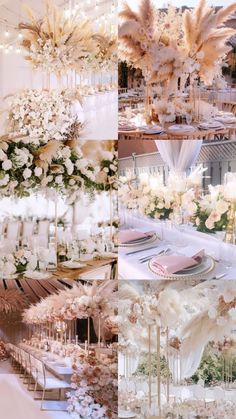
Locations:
{"points": [[230, 230]]}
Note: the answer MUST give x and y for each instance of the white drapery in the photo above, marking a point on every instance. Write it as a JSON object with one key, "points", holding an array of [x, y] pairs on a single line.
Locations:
{"points": [[179, 155]]}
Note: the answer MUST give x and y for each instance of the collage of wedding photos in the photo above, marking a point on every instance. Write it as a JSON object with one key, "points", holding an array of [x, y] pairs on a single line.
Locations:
{"points": [[117, 209]]}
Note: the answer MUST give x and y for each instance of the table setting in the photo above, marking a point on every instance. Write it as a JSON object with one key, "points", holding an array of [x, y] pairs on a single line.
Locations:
{"points": [[166, 222]]}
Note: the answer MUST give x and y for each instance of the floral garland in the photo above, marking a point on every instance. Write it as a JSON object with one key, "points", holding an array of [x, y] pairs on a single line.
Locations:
{"points": [[79, 302], [94, 389], [25, 167]]}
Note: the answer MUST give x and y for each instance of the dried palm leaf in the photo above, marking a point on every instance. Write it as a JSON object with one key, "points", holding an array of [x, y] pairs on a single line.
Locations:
{"points": [[12, 301]]}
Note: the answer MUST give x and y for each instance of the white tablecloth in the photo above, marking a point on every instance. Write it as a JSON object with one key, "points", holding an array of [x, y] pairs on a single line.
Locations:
{"points": [[181, 239]]}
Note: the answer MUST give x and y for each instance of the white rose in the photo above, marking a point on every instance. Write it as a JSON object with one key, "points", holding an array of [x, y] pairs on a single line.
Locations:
{"points": [[209, 223], [27, 173], [38, 171], [72, 182], [192, 208], [105, 169], [221, 207], [3, 156], [5, 180], [7, 165], [58, 179]]}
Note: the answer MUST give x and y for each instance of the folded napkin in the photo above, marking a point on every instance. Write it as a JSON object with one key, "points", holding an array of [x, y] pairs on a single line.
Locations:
{"points": [[171, 264], [127, 236]]}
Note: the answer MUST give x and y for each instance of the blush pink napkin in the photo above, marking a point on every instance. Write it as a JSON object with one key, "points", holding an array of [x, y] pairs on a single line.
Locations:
{"points": [[169, 265], [126, 236]]}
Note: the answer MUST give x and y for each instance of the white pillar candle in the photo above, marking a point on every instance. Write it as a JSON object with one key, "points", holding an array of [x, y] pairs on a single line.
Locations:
{"points": [[143, 178]]}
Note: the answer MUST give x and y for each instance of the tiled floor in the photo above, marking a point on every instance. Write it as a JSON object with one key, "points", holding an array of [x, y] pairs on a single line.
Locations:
{"points": [[16, 402]]}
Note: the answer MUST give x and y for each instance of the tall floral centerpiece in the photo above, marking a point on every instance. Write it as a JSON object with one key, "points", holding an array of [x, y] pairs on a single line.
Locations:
{"points": [[175, 51]]}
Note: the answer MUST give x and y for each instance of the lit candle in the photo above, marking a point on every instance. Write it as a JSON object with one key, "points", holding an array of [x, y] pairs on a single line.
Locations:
{"points": [[143, 178]]}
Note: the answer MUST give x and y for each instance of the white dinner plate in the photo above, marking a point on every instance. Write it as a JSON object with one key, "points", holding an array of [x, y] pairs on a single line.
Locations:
{"points": [[14, 276], [181, 128], [126, 415], [73, 265], [37, 275]]}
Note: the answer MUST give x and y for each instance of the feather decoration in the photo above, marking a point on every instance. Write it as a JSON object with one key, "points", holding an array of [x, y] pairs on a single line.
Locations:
{"points": [[48, 151], [225, 13]]}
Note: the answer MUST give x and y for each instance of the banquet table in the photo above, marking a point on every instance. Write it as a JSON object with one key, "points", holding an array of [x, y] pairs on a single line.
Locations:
{"points": [[73, 274], [177, 239], [57, 366], [209, 134]]}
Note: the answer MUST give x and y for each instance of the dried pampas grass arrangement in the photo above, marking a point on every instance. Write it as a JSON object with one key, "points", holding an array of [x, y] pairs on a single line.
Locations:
{"points": [[206, 38], [57, 43], [170, 45]]}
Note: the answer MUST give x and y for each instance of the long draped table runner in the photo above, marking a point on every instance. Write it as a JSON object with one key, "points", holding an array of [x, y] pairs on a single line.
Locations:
{"points": [[185, 236]]}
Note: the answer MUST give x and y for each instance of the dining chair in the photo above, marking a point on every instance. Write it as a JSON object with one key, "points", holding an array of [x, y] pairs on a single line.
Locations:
{"points": [[13, 230], [28, 230], [43, 228], [102, 273], [45, 380]]}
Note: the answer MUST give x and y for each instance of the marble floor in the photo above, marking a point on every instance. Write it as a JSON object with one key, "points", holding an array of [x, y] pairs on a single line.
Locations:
{"points": [[16, 402]]}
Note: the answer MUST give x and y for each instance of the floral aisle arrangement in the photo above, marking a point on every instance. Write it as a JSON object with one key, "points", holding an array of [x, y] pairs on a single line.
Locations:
{"points": [[175, 50], [210, 213], [17, 262], [44, 115], [57, 43], [94, 389]]}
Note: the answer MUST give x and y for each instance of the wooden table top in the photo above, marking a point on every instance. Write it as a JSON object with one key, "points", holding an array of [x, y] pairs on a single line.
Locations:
{"points": [[197, 134], [73, 274]]}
